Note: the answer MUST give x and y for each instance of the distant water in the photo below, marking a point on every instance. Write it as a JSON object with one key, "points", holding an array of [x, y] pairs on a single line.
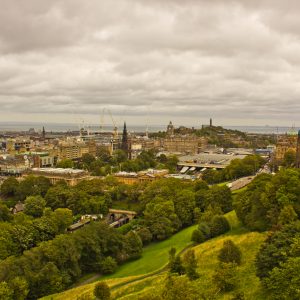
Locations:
{"points": [[64, 127]]}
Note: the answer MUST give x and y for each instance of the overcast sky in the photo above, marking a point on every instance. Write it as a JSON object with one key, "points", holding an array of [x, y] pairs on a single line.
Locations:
{"points": [[150, 61]]}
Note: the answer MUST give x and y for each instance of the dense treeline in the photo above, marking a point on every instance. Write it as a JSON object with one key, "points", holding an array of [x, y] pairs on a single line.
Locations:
{"points": [[270, 200], [56, 264], [273, 203], [167, 205], [236, 169], [25, 232], [104, 163], [39, 257], [278, 263]]}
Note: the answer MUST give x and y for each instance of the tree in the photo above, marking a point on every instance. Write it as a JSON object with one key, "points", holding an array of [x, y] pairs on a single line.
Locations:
{"points": [[145, 235], [5, 292], [287, 215], [34, 206], [102, 291], [230, 253], [218, 226], [283, 282], [198, 237], [5, 214], [108, 265], [175, 263], [178, 288], [9, 187], [133, 245], [184, 206], [19, 286], [289, 158], [65, 164], [33, 186], [190, 264], [225, 277]]}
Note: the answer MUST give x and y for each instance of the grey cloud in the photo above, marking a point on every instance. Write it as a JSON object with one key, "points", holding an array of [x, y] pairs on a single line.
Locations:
{"points": [[234, 60]]}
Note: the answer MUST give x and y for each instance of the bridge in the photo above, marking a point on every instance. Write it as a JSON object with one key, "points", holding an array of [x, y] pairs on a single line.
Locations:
{"points": [[119, 217]]}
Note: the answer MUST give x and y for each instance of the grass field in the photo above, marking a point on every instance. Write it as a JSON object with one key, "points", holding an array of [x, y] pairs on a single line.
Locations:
{"points": [[130, 281], [247, 283], [155, 256]]}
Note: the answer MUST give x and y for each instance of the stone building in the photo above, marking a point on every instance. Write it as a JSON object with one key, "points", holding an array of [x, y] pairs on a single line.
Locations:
{"points": [[287, 142], [70, 176]]}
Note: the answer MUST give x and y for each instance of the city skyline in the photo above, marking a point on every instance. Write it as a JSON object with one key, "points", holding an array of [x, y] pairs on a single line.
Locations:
{"points": [[150, 62]]}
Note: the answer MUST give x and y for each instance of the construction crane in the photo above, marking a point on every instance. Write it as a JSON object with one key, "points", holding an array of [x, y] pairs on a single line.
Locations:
{"points": [[115, 125]]}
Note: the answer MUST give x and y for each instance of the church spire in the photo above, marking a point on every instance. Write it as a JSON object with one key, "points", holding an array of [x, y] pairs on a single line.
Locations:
{"points": [[124, 145]]}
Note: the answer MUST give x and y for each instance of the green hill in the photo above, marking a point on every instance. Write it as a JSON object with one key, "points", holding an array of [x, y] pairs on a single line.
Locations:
{"points": [[135, 278]]}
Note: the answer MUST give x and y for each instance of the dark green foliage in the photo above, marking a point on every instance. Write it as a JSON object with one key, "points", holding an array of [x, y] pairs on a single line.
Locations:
{"points": [[289, 158], [283, 282], [278, 263], [102, 291], [133, 245], [276, 249], [204, 228], [190, 264], [65, 163], [34, 206], [270, 200], [225, 277], [54, 265], [9, 187], [236, 169], [218, 226], [5, 214], [19, 286], [198, 237], [108, 265], [230, 253], [145, 235], [33, 186], [175, 263]]}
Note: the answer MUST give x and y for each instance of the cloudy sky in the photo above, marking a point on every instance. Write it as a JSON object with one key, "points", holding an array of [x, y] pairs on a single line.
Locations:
{"points": [[150, 61]]}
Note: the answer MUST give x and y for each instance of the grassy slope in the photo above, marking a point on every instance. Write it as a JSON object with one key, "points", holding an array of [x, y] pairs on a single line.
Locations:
{"points": [[154, 257], [249, 243]]}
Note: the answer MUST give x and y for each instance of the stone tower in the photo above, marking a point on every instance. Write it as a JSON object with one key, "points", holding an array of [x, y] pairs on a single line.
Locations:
{"points": [[170, 129]]}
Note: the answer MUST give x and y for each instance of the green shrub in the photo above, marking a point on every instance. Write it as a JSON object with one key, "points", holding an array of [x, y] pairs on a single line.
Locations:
{"points": [[218, 225], [102, 291], [230, 253]]}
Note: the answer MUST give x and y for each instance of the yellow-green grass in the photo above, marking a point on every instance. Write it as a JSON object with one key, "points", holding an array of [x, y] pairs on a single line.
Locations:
{"points": [[207, 253], [126, 286], [154, 257]]}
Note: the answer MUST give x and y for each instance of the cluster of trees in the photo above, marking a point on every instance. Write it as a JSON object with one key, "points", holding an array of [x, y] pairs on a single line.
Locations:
{"points": [[278, 263], [236, 169], [24, 232], [168, 205], [269, 200], [54, 265], [14, 190], [214, 227], [105, 163]]}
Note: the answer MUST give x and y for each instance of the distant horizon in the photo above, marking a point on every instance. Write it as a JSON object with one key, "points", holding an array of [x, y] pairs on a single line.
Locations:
{"points": [[65, 127]]}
